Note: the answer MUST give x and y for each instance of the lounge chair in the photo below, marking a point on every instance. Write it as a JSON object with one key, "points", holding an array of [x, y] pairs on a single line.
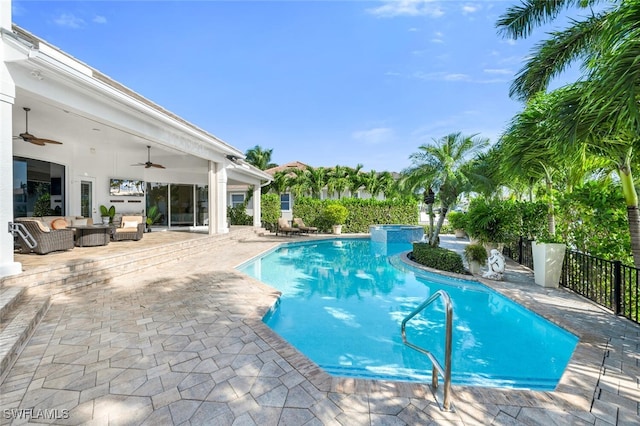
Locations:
{"points": [[283, 226], [304, 228]]}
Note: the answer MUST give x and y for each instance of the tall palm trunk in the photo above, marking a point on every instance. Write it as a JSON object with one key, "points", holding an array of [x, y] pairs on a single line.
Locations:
{"points": [[434, 239], [633, 215]]}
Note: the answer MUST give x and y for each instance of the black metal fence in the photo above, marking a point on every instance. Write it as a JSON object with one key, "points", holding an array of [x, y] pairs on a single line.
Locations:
{"points": [[609, 283]]}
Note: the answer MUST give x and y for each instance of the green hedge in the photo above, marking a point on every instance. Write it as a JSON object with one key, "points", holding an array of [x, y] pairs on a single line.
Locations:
{"points": [[438, 258], [270, 210], [362, 213]]}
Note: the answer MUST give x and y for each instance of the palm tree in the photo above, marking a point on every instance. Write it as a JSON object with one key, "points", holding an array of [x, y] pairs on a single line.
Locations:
{"points": [[603, 110], [338, 180], [355, 179], [260, 157], [309, 181], [442, 166]]}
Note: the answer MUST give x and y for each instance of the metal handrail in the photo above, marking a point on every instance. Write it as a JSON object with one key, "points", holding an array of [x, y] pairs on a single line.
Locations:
{"points": [[437, 367], [20, 229]]}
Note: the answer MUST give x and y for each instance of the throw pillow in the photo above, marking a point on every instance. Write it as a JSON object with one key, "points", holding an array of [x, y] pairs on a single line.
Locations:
{"points": [[131, 224], [59, 224], [80, 222]]}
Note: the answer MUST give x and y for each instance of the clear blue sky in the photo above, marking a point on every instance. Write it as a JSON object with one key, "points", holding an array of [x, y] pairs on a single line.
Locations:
{"points": [[324, 82]]}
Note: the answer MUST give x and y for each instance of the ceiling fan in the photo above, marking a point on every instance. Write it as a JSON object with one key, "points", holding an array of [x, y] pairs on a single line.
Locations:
{"points": [[28, 137], [149, 164]]}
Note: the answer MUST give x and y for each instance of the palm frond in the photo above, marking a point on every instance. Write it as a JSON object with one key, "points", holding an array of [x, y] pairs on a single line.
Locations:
{"points": [[554, 55], [520, 20]]}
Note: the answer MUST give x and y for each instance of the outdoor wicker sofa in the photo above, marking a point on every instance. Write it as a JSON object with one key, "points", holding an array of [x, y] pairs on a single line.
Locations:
{"points": [[47, 239]]}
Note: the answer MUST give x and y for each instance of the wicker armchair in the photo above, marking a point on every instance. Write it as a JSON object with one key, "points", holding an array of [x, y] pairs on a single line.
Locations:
{"points": [[127, 230], [47, 240]]}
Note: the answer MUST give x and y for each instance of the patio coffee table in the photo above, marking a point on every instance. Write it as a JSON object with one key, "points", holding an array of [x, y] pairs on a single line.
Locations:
{"points": [[92, 235]]}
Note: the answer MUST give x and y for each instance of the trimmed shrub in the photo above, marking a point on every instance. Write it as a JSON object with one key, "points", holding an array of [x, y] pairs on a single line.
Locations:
{"points": [[457, 220], [438, 258], [238, 215], [270, 210], [335, 213]]}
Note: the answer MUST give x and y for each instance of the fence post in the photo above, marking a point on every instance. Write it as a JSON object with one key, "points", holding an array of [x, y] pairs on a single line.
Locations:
{"points": [[617, 287], [520, 250]]}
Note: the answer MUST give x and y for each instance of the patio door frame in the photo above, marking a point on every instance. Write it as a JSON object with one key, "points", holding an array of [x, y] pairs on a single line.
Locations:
{"points": [[92, 208]]}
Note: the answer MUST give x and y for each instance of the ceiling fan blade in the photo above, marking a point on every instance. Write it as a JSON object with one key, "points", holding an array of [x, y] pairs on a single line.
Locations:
{"points": [[36, 141], [26, 136], [139, 164], [159, 166], [45, 141]]}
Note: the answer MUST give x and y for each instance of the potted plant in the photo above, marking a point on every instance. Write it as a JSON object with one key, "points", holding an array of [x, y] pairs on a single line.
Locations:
{"points": [[548, 256], [107, 214], [153, 214], [476, 256], [492, 222], [336, 215], [458, 222]]}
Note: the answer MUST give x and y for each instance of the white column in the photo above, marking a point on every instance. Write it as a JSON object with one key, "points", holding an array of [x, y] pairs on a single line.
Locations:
{"points": [[221, 199], [257, 213], [7, 97], [211, 197]]}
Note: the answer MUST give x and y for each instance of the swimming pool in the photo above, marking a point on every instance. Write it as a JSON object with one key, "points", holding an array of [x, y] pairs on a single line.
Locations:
{"points": [[343, 301]]}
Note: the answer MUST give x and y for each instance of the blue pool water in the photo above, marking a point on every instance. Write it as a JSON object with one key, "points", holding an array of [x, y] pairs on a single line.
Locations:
{"points": [[343, 301]]}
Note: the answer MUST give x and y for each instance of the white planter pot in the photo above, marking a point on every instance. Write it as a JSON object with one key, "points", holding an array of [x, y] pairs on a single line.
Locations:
{"points": [[547, 263], [337, 229], [474, 267], [460, 233], [105, 220]]}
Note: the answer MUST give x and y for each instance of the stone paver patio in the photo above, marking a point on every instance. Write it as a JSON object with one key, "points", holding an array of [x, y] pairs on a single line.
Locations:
{"points": [[185, 344]]}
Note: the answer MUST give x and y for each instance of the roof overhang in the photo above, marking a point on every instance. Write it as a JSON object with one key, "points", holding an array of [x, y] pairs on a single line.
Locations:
{"points": [[66, 88]]}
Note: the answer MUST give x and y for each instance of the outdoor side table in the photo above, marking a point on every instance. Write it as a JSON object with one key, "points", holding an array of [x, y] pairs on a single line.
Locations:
{"points": [[92, 235]]}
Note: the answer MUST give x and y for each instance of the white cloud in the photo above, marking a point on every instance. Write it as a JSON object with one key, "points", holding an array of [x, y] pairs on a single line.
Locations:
{"points": [[69, 20], [470, 8], [393, 8], [374, 136], [100, 19], [501, 71], [441, 76], [438, 37], [413, 30], [455, 77]]}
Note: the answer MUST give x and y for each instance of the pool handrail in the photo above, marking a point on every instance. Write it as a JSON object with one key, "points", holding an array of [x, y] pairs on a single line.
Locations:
{"points": [[437, 367]]}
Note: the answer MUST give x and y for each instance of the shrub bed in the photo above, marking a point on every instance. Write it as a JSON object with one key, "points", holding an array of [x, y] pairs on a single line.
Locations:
{"points": [[437, 258]]}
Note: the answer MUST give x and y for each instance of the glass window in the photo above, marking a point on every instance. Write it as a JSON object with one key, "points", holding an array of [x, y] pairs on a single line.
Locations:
{"points": [[38, 188], [285, 201], [237, 200]]}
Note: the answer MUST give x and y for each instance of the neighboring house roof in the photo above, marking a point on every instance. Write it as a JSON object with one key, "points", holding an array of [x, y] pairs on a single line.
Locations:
{"points": [[292, 165]]}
